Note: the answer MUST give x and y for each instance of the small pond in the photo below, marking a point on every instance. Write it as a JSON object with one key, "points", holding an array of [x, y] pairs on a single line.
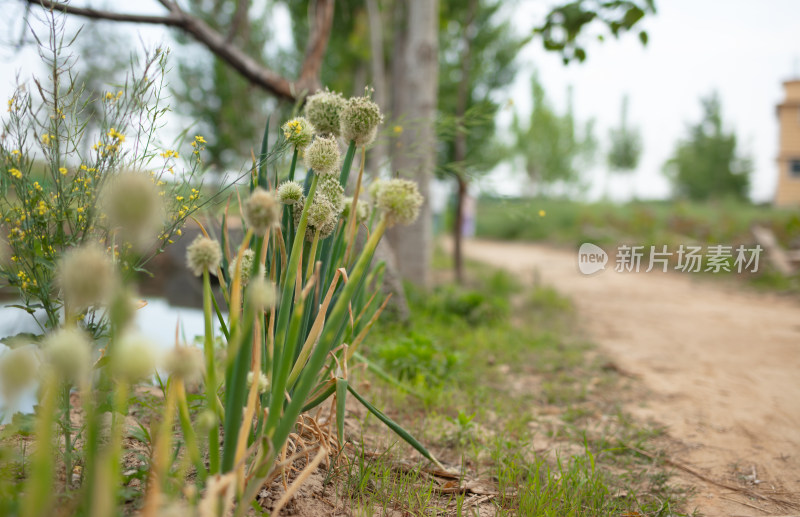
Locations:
{"points": [[157, 320]]}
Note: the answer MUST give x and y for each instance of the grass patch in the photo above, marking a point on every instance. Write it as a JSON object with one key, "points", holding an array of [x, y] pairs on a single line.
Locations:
{"points": [[505, 389], [646, 223]]}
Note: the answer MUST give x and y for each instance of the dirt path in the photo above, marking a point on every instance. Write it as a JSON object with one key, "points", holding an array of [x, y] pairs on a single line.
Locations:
{"points": [[722, 367]]}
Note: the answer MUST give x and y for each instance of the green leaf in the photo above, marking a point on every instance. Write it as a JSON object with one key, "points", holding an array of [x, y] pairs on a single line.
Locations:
{"points": [[633, 15], [222, 326], [391, 424], [262, 158], [30, 309], [223, 244], [21, 424], [21, 339], [347, 163], [341, 397], [144, 271], [383, 374], [319, 400], [643, 37]]}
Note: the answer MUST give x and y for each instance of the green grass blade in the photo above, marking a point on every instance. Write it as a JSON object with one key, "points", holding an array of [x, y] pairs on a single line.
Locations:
{"points": [[320, 399], [308, 377], [285, 307], [386, 376], [262, 158], [223, 327], [391, 424], [236, 379], [284, 359], [223, 238], [341, 397], [235, 394], [347, 163]]}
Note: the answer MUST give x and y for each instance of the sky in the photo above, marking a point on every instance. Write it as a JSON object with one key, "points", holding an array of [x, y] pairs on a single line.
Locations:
{"points": [[743, 49]]}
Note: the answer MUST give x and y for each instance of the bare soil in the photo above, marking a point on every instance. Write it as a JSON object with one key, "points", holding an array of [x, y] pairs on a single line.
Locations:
{"points": [[719, 366]]}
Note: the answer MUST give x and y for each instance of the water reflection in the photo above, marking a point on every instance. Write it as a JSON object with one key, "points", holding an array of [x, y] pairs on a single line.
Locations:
{"points": [[157, 320]]}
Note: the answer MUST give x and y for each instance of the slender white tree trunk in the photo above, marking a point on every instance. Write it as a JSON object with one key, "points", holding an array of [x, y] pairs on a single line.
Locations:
{"points": [[415, 92]]}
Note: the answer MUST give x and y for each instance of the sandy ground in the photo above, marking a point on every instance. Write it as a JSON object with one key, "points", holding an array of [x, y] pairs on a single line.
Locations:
{"points": [[720, 367]]}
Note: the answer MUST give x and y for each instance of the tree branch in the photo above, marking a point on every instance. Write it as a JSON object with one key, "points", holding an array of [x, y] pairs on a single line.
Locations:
{"points": [[317, 43], [98, 14], [218, 44]]}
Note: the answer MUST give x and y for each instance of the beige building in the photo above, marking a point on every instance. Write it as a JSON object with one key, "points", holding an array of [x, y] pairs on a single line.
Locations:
{"points": [[788, 192]]}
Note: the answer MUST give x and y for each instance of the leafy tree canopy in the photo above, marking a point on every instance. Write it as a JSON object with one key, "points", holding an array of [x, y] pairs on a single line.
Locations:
{"points": [[477, 58], [706, 164], [625, 144], [566, 27], [552, 147]]}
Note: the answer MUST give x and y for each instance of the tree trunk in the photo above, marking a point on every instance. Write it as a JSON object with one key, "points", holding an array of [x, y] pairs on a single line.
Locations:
{"points": [[460, 143], [417, 89], [377, 158], [458, 227]]}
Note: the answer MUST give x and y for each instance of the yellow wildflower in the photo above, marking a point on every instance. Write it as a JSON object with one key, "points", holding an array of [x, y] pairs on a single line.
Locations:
{"points": [[113, 133]]}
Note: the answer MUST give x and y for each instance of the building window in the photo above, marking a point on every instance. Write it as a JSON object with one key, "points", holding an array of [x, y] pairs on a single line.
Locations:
{"points": [[794, 168]]}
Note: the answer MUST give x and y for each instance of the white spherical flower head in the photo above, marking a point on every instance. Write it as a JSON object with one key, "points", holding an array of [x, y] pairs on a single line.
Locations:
{"points": [[203, 253], [261, 293], [17, 371], [263, 382], [134, 357], [69, 352], [322, 215], [321, 211], [132, 203], [206, 420], [362, 209], [374, 188], [186, 363], [400, 200], [330, 187], [290, 192], [248, 256], [123, 306], [360, 120], [86, 277], [323, 109], [323, 155], [261, 211], [298, 132]]}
